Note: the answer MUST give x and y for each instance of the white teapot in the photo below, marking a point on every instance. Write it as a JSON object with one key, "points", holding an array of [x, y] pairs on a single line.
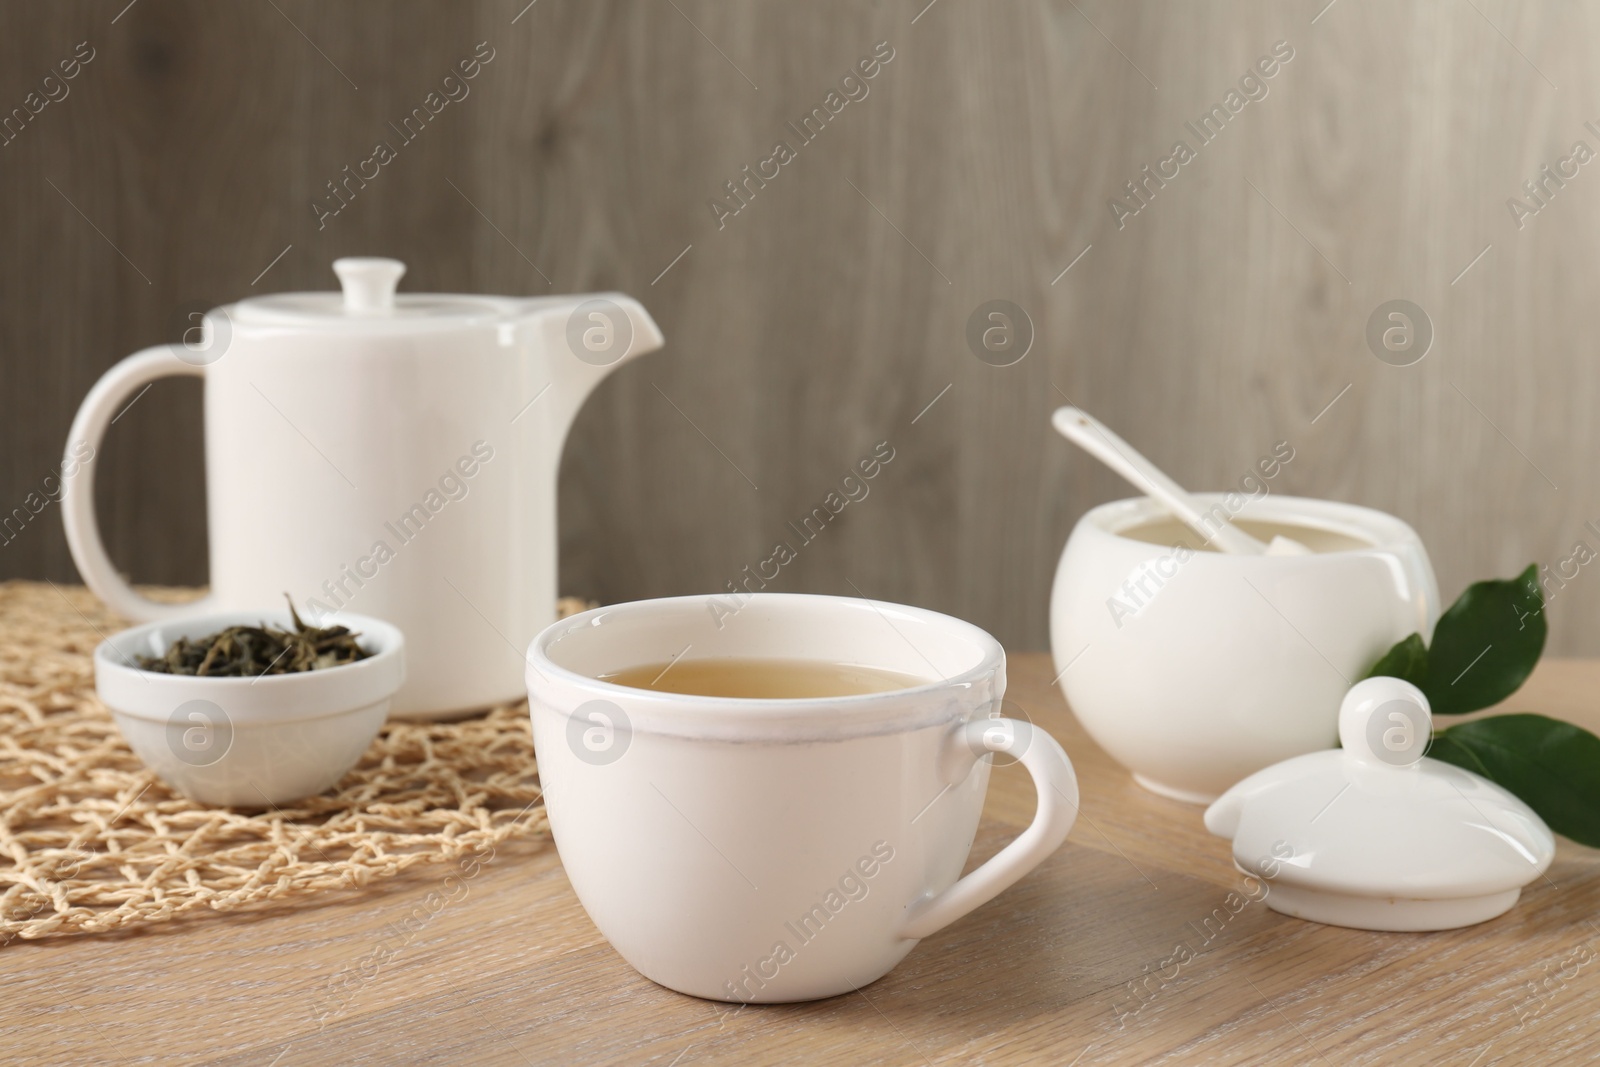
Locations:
{"points": [[393, 455]]}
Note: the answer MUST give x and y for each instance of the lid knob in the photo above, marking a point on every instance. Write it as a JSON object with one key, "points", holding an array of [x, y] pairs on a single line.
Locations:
{"points": [[1385, 721], [369, 283]]}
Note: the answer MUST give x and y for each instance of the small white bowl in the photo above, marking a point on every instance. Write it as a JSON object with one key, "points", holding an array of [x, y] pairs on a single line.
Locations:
{"points": [[249, 742]]}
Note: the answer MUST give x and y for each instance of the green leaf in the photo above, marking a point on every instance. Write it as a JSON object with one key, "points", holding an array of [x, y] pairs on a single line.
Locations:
{"points": [[1552, 766], [1485, 646], [1408, 659]]}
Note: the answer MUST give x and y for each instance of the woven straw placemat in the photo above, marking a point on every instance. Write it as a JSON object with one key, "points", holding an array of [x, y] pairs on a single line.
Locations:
{"points": [[90, 840]]}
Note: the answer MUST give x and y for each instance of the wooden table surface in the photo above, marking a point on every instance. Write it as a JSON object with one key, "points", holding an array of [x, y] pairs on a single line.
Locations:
{"points": [[1067, 967]]}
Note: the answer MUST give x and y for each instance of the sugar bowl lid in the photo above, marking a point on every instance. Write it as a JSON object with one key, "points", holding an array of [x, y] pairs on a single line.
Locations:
{"points": [[1377, 836]]}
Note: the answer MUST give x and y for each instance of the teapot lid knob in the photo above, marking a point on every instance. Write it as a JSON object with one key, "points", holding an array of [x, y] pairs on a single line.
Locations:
{"points": [[368, 282], [1385, 721]]}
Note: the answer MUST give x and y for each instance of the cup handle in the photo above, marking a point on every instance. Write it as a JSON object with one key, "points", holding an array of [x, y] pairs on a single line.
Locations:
{"points": [[100, 408], [1057, 786]]}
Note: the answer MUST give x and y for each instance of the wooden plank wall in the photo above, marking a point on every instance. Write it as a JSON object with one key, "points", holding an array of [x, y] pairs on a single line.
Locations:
{"points": [[1224, 316]]}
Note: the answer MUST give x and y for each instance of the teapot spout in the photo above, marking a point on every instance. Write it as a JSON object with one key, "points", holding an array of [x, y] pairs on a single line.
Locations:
{"points": [[585, 338]]}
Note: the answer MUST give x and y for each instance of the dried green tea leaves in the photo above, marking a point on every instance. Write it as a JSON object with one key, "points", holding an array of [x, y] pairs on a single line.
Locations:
{"points": [[252, 651]]}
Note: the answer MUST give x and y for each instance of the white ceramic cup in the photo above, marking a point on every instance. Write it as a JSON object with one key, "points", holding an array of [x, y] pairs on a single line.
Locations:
{"points": [[779, 850], [1195, 670]]}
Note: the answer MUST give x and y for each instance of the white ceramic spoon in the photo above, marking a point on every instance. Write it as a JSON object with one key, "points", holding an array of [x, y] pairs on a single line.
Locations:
{"points": [[1095, 438]]}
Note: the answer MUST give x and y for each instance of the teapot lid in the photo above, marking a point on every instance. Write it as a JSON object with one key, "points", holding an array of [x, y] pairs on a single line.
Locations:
{"points": [[367, 298], [1376, 825]]}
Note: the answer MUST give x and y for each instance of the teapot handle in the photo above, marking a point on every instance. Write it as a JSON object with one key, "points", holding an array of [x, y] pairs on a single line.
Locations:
{"points": [[100, 409]]}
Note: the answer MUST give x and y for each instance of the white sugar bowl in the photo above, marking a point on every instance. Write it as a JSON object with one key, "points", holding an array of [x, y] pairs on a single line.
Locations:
{"points": [[1377, 836], [249, 742], [1193, 668]]}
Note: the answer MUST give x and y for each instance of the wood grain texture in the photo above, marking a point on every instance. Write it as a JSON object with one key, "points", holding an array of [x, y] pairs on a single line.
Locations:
{"points": [[1225, 316], [1058, 969]]}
